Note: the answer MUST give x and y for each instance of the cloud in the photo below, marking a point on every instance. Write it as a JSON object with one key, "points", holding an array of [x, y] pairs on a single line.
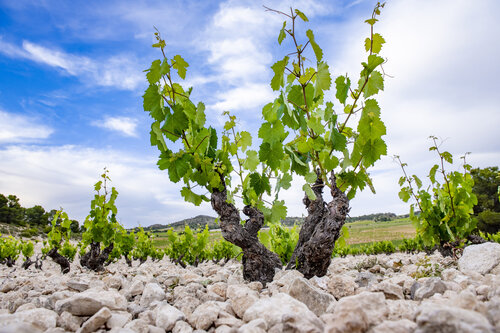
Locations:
{"points": [[16, 128], [125, 125], [64, 176], [119, 71]]}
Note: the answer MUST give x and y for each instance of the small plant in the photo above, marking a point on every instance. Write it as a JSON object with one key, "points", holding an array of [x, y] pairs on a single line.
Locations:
{"points": [[445, 211], [283, 241], [100, 226], [58, 245], [426, 269], [9, 250], [222, 249], [27, 249], [188, 248], [143, 246]]}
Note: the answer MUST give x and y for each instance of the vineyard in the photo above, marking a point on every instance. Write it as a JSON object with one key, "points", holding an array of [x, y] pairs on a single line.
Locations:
{"points": [[436, 270]]}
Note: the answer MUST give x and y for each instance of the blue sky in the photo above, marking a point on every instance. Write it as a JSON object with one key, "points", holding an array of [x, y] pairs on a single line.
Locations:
{"points": [[71, 82]]}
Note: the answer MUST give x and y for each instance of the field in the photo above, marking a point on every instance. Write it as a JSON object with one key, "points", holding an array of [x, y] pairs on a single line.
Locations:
{"points": [[360, 232]]}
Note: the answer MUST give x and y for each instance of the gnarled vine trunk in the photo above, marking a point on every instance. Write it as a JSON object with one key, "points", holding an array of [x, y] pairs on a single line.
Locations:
{"points": [[258, 262], [62, 261], [320, 231], [95, 259]]}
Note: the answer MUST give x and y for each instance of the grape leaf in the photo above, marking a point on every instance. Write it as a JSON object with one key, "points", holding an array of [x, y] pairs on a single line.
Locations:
{"points": [[282, 34], [181, 65], [251, 161], [245, 140], [342, 85], [372, 150], [271, 154], [315, 124], [378, 40], [374, 85], [190, 196], [309, 192], [311, 177], [152, 102], [323, 79], [317, 50], [301, 15], [157, 137], [278, 211], [285, 181], [272, 132], [278, 68], [260, 183], [154, 74]]}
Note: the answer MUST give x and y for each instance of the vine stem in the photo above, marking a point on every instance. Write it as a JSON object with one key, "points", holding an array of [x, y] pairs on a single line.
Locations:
{"points": [[444, 176], [409, 183]]}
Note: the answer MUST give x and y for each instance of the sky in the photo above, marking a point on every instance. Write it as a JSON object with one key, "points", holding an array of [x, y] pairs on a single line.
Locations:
{"points": [[71, 81]]}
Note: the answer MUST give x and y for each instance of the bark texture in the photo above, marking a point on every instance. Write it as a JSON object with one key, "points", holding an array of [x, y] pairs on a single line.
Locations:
{"points": [[95, 259], [27, 263], [320, 231], [258, 262], [62, 261]]}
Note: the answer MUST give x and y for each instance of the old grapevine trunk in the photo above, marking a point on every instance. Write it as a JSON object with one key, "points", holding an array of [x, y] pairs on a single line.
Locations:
{"points": [[95, 259], [321, 229], [258, 262]]}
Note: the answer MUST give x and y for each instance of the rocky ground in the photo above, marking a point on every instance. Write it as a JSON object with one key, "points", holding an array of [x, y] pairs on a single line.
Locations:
{"points": [[359, 294]]}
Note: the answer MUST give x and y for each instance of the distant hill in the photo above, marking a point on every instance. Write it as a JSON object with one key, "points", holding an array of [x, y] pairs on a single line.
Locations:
{"points": [[200, 221]]}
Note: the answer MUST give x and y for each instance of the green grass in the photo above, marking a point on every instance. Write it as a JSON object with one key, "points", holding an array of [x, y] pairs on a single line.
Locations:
{"points": [[360, 232]]}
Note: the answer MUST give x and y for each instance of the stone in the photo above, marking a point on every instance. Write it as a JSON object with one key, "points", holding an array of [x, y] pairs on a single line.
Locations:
{"points": [[113, 281], [282, 307], [25, 307], [187, 304], [182, 327], [341, 285], [40, 318], [118, 319], [96, 321], [79, 285], [284, 278], [241, 298], [138, 326], [152, 292], [134, 289], [204, 316], [443, 318], [69, 322], [365, 279], [480, 258], [357, 313], [390, 290], [167, 315], [258, 325], [218, 288], [430, 287], [228, 320], [401, 309], [399, 326], [90, 301], [224, 329], [316, 300], [18, 327]]}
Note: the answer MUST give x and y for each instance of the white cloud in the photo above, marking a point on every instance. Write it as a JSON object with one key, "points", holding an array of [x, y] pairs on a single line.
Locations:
{"points": [[16, 128], [125, 125], [120, 71], [65, 176]]}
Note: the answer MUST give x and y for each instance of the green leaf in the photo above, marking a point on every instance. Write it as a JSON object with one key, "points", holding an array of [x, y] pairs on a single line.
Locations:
{"points": [[285, 181], [200, 115], [178, 168], [378, 40], [339, 141], [175, 124], [315, 124], [371, 21], [282, 34], [323, 79], [271, 154], [308, 75], [404, 194], [278, 211], [181, 65], [309, 192], [154, 73], [373, 150], [301, 15], [245, 140], [311, 177], [190, 196], [328, 161], [447, 157], [157, 137], [373, 61], [370, 126], [342, 84], [152, 102], [374, 85], [252, 160], [260, 183], [278, 68], [432, 173], [317, 50], [272, 133]]}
